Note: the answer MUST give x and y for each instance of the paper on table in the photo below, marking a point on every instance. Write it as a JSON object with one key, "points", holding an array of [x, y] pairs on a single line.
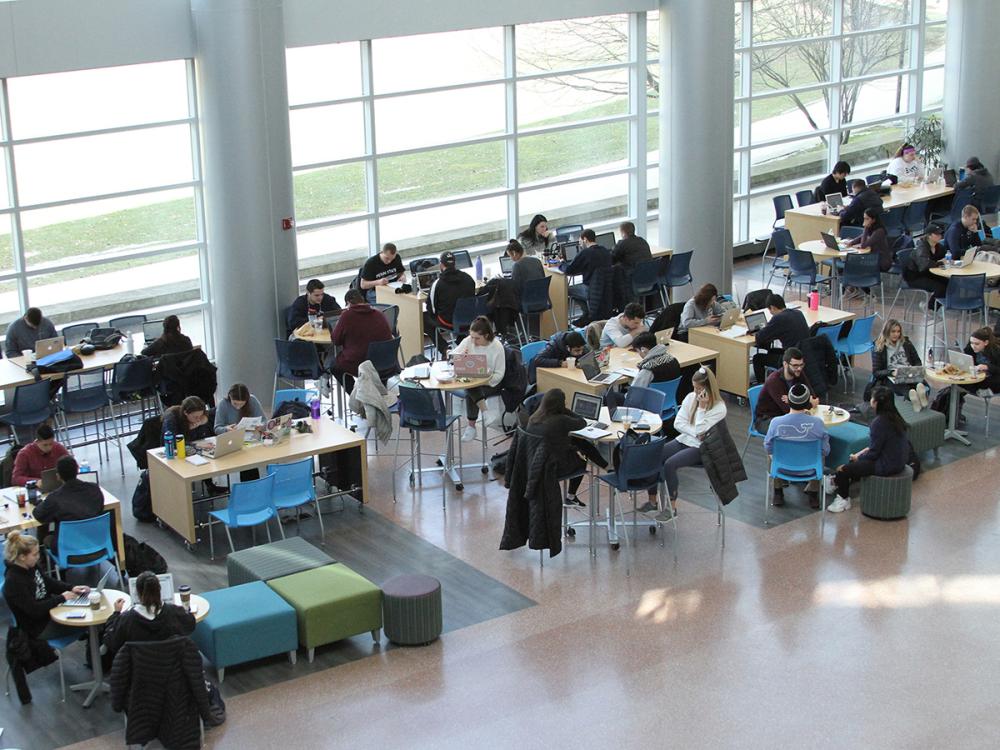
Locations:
{"points": [[196, 460], [591, 433], [735, 332], [248, 423], [628, 372]]}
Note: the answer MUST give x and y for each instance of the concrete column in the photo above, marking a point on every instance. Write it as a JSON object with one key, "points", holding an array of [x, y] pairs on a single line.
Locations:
{"points": [[246, 158], [696, 135], [971, 103]]}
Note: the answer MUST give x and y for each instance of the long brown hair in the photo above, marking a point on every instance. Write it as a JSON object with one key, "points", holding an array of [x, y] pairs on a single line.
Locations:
{"points": [[705, 295], [705, 378], [240, 392], [147, 586], [188, 406], [883, 337], [483, 327], [553, 402]]}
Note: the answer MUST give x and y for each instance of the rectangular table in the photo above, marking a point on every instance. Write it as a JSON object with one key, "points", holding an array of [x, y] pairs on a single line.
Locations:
{"points": [[733, 370], [170, 480]]}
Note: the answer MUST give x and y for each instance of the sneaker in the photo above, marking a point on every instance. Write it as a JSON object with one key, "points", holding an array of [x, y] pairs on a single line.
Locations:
{"points": [[574, 502], [779, 497], [665, 515], [921, 390], [469, 434], [915, 399], [839, 505], [648, 507], [813, 499]]}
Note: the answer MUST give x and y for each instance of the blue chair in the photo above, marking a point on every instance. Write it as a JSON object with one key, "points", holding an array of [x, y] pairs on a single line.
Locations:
{"points": [[646, 281], [669, 390], [294, 487], [915, 217], [677, 271], [874, 179], [893, 220], [83, 544], [805, 198], [84, 392], [862, 272], [850, 233], [72, 334], [250, 504], [534, 301], [132, 323], [857, 341], [30, 406], [832, 332], [989, 199], [305, 395], [647, 399], [57, 644], [753, 394], [461, 318], [795, 461], [965, 294], [423, 410], [297, 360], [802, 270], [131, 382], [995, 231], [781, 204], [384, 355], [532, 350]]}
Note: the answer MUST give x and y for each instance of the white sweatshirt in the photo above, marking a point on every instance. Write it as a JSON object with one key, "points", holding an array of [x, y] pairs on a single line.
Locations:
{"points": [[689, 428], [495, 360]]}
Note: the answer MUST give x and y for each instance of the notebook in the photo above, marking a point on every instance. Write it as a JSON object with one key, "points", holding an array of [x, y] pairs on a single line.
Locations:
{"points": [[907, 374]]}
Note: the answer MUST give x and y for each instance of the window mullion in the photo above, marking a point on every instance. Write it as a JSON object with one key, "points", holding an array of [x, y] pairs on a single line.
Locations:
{"points": [[371, 164]]}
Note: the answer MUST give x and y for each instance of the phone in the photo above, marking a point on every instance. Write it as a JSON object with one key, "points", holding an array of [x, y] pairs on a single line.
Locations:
{"points": [[75, 616]]}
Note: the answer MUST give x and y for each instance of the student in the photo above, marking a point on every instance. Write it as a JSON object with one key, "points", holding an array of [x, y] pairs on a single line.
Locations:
{"points": [[905, 165], [892, 350], [835, 182], [977, 177], [886, 454], [926, 254], [171, 341], [874, 239], [787, 325], [74, 500], [381, 269], [591, 258], [656, 359], [189, 418], [560, 347], [451, 286], [37, 456], [621, 329], [149, 619], [238, 404], [984, 348], [314, 302], [699, 410], [526, 267], [964, 233], [554, 422], [358, 326], [797, 424], [864, 198], [773, 400], [537, 238], [703, 309], [26, 331], [630, 250], [482, 340]]}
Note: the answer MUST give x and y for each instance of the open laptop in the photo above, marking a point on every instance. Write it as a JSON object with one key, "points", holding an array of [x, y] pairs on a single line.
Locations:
{"points": [[730, 318], [151, 330], [835, 200], [606, 240], [830, 241], [950, 177], [664, 337], [630, 413], [426, 279], [506, 266], [755, 321], [462, 259], [84, 599], [45, 347], [967, 258], [593, 374], [49, 481], [589, 407], [226, 443], [570, 250], [907, 374], [470, 366], [166, 588], [961, 360]]}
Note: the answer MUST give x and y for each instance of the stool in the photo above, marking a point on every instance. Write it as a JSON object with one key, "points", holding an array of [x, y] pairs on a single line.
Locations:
{"points": [[411, 607], [274, 560], [845, 439], [331, 603], [926, 427], [244, 623], [886, 498]]}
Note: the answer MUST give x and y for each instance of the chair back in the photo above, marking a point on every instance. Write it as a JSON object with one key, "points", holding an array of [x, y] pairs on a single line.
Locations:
{"points": [[384, 355], [32, 398], [305, 395], [421, 407], [641, 463], [679, 269], [72, 334], [464, 314], [989, 199], [915, 216], [293, 483], [753, 396], [861, 271], [298, 360], [893, 220], [960, 200], [152, 329], [131, 323], [535, 295], [872, 179], [391, 313], [250, 498], [796, 460], [530, 351], [805, 198], [965, 292], [859, 339], [669, 390], [850, 233], [832, 332], [131, 377], [645, 276], [85, 543], [801, 263], [647, 399], [569, 232], [782, 241], [781, 203], [83, 390]]}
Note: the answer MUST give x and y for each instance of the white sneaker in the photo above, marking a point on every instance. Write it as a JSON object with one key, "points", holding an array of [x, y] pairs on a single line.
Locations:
{"points": [[469, 434], [839, 505], [921, 390], [915, 399]]}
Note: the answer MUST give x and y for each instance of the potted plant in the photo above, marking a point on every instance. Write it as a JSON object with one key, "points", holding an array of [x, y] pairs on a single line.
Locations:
{"points": [[927, 137]]}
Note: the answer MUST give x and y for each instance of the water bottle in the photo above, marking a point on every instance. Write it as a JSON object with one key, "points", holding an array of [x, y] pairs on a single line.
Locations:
{"points": [[85, 467], [479, 268], [181, 449], [168, 444], [947, 257], [813, 299], [129, 343], [314, 408]]}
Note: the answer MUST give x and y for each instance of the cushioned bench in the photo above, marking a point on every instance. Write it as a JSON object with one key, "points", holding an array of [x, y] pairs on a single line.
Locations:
{"points": [[244, 623], [926, 427], [845, 439], [274, 560], [887, 498], [331, 603]]}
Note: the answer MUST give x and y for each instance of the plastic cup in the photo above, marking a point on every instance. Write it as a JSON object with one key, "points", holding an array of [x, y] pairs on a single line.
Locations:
{"points": [[95, 599], [570, 362]]}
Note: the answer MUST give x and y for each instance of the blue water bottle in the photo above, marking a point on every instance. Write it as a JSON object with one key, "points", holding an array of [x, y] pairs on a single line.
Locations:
{"points": [[947, 257], [479, 268], [168, 444]]}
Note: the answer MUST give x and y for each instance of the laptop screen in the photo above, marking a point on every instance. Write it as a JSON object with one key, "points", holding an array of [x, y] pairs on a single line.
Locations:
{"points": [[426, 280], [506, 264], [570, 250], [834, 199], [606, 240], [756, 320], [462, 259], [587, 406], [588, 363]]}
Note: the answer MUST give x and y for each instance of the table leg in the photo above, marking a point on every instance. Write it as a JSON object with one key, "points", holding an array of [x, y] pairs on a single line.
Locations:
{"points": [[952, 432], [97, 684]]}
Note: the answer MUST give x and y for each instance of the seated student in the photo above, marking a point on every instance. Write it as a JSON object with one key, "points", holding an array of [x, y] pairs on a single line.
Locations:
{"points": [[553, 421], [190, 419], [482, 340], [591, 258], [874, 239], [621, 329], [37, 456], [526, 267], [451, 286], [787, 325], [314, 302], [905, 166], [75, 500], [656, 360], [171, 341], [964, 233], [537, 238], [773, 400], [238, 404], [926, 254], [558, 349], [892, 350], [381, 269], [630, 250], [864, 198], [26, 331], [703, 309], [984, 348], [797, 424], [835, 182], [886, 454], [977, 177], [358, 326]]}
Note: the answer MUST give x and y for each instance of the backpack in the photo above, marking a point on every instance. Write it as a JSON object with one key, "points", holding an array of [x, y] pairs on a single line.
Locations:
{"points": [[7, 466], [142, 500], [297, 409], [103, 338], [139, 556], [63, 361]]}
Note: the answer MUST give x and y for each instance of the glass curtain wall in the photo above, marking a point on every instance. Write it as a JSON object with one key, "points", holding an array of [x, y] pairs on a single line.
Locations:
{"points": [[100, 205], [817, 81]]}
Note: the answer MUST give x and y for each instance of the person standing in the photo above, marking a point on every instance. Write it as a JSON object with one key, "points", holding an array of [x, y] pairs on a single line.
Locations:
{"points": [[787, 325], [381, 269], [797, 424], [537, 238], [26, 331], [40, 455]]}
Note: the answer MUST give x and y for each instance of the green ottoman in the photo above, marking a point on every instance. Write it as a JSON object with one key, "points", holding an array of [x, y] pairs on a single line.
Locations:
{"points": [[926, 427], [292, 555], [331, 603], [887, 498], [845, 439], [412, 609]]}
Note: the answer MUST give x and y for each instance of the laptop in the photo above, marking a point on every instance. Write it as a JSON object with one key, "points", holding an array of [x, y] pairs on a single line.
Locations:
{"points": [[84, 599], [470, 366], [967, 258], [606, 240], [226, 443], [593, 374], [830, 241], [506, 266], [426, 279], [50, 481], [166, 588], [664, 337], [151, 330], [462, 259], [755, 321], [961, 360], [835, 200], [950, 177], [280, 429], [588, 407], [570, 250], [730, 318], [907, 374], [45, 347]]}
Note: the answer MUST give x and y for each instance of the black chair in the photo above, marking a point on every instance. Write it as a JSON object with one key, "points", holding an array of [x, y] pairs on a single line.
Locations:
{"points": [[805, 198], [384, 355], [960, 200], [72, 334], [989, 199], [297, 361], [419, 265], [646, 282], [782, 241], [678, 271], [391, 313], [131, 323], [534, 301], [31, 406]]}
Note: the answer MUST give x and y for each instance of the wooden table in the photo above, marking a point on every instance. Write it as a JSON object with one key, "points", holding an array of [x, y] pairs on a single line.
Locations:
{"points": [[320, 336], [990, 270], [170, 480], [92, 619], [939, 380], [805, 223], [572, 379], [733, 368], [13, 372], [410, 322], [12, 517]]}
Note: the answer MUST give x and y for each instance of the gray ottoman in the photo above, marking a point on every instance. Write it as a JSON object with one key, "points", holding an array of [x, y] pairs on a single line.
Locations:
{"points": [[926, 427], [886, 498], [275, 560], [411, 610]]}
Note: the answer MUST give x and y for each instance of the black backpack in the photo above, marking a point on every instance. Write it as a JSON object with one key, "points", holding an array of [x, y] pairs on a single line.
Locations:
{"points": [[142, 500], [297, 409], [103, 338], [139, 556], [7, 466]]}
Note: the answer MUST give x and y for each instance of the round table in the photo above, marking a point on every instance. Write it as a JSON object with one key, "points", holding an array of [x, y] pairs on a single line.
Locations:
{"points": [[92, 619], [313, 335], [941, 380], [831, 415], [199, 606], [653, 420], [447, 385], [990, 270]]}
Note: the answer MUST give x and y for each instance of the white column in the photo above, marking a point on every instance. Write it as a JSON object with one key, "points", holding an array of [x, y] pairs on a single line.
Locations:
{"points": [[243, 100], [696, 135], [971, 103]]}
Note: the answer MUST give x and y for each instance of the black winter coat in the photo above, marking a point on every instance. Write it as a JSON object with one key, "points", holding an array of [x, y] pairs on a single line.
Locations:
{"points": [[821, 363], [534, 500], [722, 462], [600, 293], [187, 374]]}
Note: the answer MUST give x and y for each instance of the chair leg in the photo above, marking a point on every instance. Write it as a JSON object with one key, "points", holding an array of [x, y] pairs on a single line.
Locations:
{"points": [[281, 529], [267, 526], [229, 536], [62, 675], [319, 517], [628, 542], [211, 540]]}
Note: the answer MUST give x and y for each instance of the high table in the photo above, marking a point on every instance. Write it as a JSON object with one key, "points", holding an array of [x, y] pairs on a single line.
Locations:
{"points": [[410, 322], [990, 270], [939, 379], [733, 370], [170, 480], [92, 619], [820, 252]]}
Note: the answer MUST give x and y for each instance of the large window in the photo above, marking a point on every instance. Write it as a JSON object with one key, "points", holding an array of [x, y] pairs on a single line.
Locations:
{"points": [[100, 203], [822, 80]]}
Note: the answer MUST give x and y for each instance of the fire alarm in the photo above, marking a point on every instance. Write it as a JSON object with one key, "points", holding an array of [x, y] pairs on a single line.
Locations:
{"points": [[287, 223]]}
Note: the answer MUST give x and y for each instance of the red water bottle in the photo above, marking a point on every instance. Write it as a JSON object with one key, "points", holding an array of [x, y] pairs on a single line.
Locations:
{"points": [[814, 299]]}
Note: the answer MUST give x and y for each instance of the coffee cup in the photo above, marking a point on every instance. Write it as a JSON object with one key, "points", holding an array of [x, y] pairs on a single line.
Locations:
{"points": [[185, 592], [570, 362], [95, 599]]}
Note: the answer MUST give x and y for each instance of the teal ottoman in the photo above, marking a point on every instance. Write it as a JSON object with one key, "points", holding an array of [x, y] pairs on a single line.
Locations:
{"points": [[244, 623], [845, 439], [274, 560], [331, 603], [887, 498]]}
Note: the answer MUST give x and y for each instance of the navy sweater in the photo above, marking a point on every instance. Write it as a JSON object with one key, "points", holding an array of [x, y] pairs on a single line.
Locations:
{"points": [[887, 448]]}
